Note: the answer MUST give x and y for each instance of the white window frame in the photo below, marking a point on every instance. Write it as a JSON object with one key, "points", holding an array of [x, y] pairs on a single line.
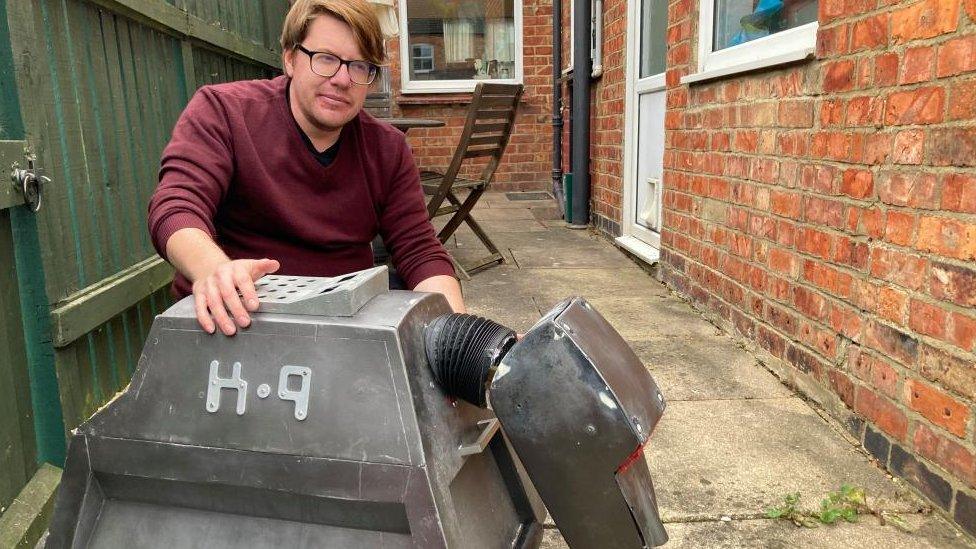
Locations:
{"points": [[429, 50], [408, 86], [782, 47]]}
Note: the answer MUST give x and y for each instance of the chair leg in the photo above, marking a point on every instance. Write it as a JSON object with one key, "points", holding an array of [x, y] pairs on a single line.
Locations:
{"points": [[463, 215]]}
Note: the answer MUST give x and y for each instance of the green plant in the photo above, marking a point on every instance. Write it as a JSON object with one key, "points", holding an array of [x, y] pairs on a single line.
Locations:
{"points": [[845, 504]]}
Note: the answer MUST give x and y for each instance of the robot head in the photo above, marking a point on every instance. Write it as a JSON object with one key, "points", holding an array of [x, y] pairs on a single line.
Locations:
{"points": [[577, 406]]}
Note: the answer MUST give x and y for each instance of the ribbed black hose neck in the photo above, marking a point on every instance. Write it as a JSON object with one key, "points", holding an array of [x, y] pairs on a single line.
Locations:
{"points": [[463, 350]]}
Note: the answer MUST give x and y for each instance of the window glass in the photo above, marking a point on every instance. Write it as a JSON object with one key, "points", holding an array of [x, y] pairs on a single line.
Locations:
{"points": [[654, 39], [467, 40], [740, 21]]}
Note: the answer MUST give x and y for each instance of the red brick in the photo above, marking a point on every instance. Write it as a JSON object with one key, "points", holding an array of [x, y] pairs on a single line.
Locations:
{"points": [[831, 41], [913, 189], [962, 334], [892, 342], [857, 183], [838, 76], [892, 304], [824, 212], [845, 321], [952, 147], [842, 386], [796, 114], [956, 57], [814, 242], [908, 147], [881, 412], [835, 282], [947, 237], [877, 146], [953, 283], [900, 227], [851, 252], [907, 270], [866, 110], [870, 33], [970, 9], [937, 406], [871, 222], [962, 100], [782, 261], [885, 69], [875, 372], [924, 19], [949, 454], [928, 319], [918, 65], [785, 204], [952, 372], [919, 106]]}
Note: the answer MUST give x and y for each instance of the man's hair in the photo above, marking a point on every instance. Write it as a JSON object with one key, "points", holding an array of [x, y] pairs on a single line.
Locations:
{"points": [[356, 13]]}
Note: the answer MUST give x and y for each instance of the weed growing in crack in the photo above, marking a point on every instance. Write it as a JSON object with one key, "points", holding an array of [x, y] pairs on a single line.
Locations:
{"points": [[845, 504]]}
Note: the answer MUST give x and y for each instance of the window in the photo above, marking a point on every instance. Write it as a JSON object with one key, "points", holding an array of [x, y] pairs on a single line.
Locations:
{"points": [[740, 35], [451, 45], [422, 58]]}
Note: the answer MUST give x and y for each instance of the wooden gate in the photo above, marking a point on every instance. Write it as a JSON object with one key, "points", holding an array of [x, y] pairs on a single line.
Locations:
{"points": [[89, 92]]}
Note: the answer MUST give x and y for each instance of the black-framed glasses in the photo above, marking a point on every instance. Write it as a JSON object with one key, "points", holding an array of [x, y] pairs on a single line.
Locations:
{"points": [[326, 64]]}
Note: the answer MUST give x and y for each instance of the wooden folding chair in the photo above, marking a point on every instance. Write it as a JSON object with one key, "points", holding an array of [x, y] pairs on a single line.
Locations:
{"points": [[491, 118]]}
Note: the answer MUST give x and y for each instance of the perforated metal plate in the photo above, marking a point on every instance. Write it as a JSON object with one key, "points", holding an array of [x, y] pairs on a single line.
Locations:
{"points": [[324, 296]]}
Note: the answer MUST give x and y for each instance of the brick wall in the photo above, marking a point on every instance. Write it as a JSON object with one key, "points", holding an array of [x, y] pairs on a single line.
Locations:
{"points": [[527, 164], [825, 210]]}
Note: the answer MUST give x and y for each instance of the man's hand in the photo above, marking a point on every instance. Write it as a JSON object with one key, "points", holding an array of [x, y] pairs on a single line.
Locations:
{"points": [[227, 294]]}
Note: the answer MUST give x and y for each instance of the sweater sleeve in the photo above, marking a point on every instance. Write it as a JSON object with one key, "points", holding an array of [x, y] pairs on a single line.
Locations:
{"points": [[195, 171], [406, 231]]}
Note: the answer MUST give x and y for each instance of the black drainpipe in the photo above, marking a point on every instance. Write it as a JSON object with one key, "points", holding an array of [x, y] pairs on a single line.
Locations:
{"points": [[580, 142], [557, 104]]}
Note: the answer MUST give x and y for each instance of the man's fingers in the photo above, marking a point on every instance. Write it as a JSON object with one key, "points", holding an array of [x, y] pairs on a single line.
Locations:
{"points": [[228, 292], [215, 302], [203, 315], [246, 287]]}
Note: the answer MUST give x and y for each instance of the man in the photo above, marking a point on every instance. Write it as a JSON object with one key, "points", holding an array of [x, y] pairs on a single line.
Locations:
{"points": [[290, 175]]}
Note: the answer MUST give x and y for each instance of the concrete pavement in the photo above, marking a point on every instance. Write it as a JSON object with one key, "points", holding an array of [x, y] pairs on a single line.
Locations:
{"points": [[734, 440]]}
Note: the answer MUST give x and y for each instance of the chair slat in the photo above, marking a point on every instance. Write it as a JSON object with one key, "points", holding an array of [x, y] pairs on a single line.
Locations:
{"points": [[474, 153], [507, 101], [486, 140], [494, 127], [485, 114]]}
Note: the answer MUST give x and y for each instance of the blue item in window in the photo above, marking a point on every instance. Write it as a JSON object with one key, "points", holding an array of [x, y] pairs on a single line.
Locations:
{"points": [[758, 23]]}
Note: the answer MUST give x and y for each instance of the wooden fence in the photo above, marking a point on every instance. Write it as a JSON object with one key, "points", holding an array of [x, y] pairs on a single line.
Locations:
{"points": [[89, 93]]}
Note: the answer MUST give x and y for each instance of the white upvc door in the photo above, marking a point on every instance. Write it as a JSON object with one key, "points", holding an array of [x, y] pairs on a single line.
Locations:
{"points": [[644, 128]]}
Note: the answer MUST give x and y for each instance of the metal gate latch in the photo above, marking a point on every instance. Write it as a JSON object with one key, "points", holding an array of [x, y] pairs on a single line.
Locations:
{"points": [[30, 185]]}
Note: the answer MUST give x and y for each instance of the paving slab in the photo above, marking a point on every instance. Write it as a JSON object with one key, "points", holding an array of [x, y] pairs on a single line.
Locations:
{"points": [[502, 214], [740, 457], [551, 286], [926, 532], [516, 312], [654, 317], [706, 368]]}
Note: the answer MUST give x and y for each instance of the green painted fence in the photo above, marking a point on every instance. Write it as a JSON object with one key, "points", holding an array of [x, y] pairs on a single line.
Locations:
{"points": [[89, 91]]}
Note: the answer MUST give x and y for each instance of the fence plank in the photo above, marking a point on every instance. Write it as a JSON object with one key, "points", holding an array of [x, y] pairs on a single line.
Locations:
{"points": [[96, 305]]}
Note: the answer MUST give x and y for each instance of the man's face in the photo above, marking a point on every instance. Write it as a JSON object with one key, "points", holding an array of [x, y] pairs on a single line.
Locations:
{"points": [[325, 104]]}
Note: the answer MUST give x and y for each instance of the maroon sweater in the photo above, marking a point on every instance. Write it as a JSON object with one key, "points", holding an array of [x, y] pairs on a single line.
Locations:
{"points": [[237, 168]]}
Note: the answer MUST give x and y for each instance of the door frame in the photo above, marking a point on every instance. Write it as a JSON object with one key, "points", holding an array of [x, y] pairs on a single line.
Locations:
{"points": [[631, 231]]}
